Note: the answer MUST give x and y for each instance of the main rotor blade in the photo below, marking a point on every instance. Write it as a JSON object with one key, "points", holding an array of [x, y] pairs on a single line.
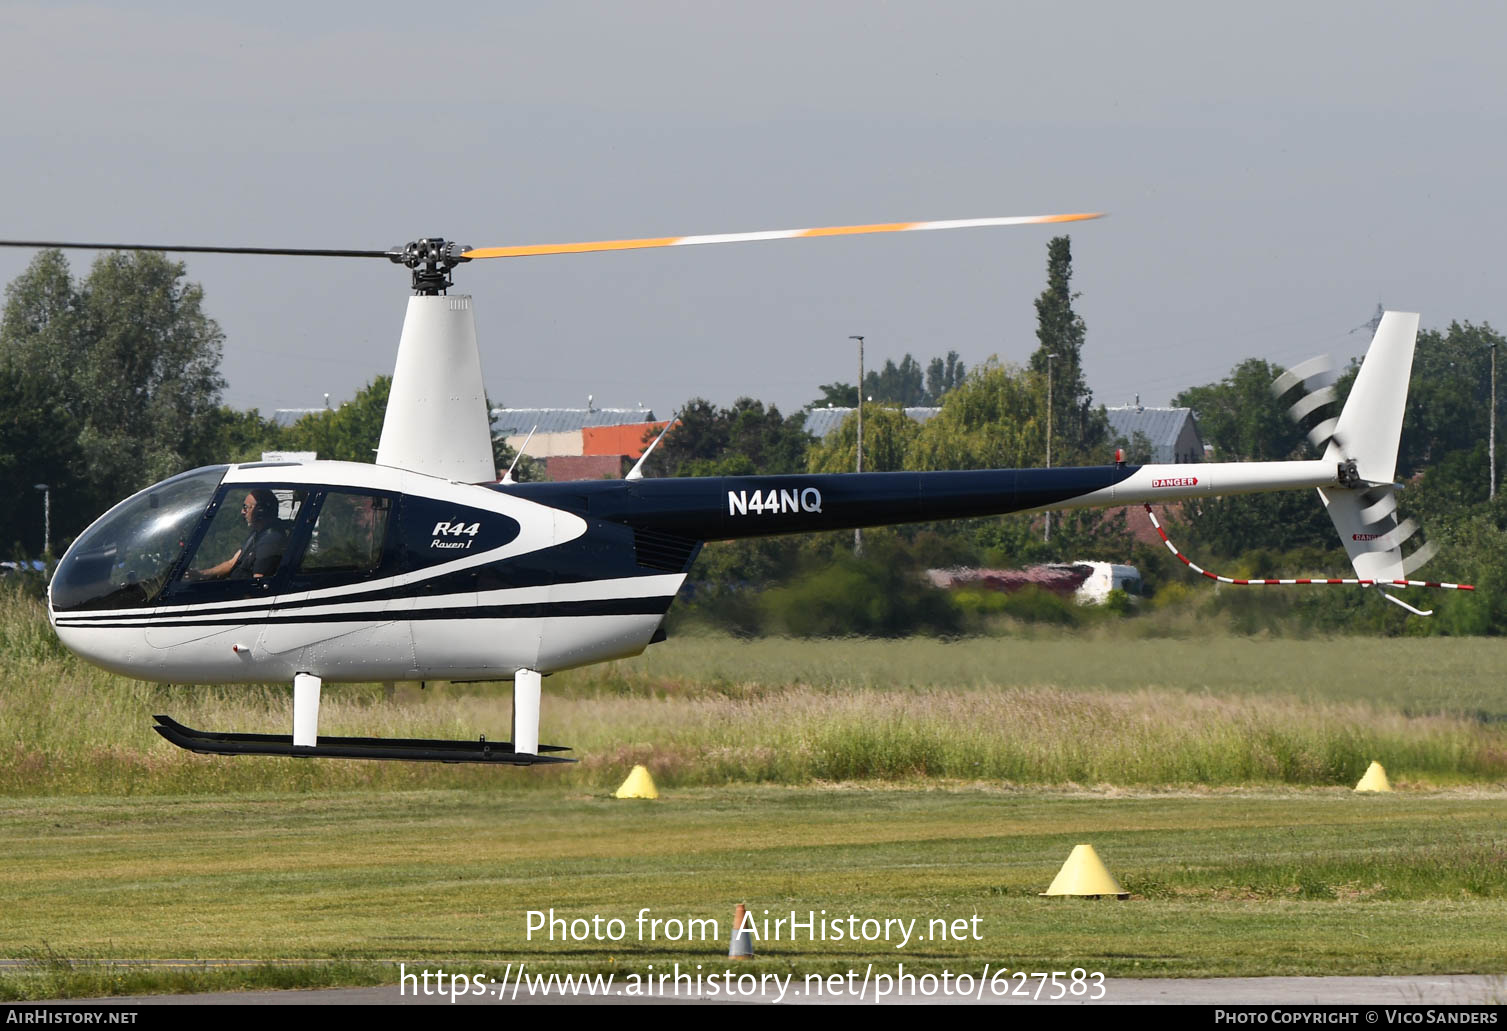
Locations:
{"points": [[314, 252], [771, 234]]}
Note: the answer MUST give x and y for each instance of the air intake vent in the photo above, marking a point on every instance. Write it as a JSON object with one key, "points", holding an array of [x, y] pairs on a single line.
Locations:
{"points": [[665, 551]]}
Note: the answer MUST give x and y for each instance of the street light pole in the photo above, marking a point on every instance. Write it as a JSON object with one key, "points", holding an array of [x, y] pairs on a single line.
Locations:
{"points": [[858, 531], [1491, 449], [46, 517], [1048, 536]]}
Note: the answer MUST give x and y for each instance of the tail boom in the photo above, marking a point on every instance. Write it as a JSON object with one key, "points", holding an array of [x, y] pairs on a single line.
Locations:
{"points": [[1157, 483]]}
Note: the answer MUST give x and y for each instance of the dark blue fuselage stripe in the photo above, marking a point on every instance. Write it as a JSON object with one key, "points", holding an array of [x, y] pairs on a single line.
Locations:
{"points": [[275, 602], [653, 606]]}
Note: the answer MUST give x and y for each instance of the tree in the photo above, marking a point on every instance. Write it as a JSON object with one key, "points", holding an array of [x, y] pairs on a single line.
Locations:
{"points": [[738, 441], [1080, 431], [943, 376], [38, 444], [151, 380], [350, 433], [231, 435], [1241, 419], [995, 420], [888, 434], [111, 383], [903, 384], [836, 395], [1449, 394]]}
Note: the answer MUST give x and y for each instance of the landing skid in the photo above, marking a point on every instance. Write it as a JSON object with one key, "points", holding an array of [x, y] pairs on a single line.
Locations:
{"points": [[407, 749]]}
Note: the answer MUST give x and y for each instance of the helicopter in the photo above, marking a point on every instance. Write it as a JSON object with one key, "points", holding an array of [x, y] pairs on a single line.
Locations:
{"points": [[425, 565]]}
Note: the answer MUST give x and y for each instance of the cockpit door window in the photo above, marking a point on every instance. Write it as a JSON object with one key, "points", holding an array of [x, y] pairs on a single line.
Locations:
{"points": [[348, 542], [240, 552]]}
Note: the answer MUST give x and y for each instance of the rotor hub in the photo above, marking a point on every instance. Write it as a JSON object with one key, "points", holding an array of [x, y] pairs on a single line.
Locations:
{"points": [[431, 260]]}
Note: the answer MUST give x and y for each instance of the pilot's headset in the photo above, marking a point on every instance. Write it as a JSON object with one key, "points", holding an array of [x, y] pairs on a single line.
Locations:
{"points": [[266, 506]]}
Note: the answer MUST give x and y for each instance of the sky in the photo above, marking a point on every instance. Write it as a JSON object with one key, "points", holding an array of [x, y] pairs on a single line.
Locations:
{"points": [[1271, 172]]}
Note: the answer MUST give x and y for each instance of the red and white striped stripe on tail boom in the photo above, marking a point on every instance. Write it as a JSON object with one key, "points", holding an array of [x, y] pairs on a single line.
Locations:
{"points": [[1350, 581]]}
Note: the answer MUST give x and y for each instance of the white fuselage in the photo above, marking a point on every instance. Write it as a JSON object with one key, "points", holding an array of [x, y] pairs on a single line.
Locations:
{"points": [[399, 627], [487, 581]]}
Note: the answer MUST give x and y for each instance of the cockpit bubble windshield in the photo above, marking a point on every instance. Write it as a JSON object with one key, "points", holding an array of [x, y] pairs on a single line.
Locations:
{"points": [[123, 560]]}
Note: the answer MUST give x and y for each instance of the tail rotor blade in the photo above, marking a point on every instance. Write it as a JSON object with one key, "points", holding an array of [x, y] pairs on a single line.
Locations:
{"points": [[1384, 506], [1419, 558], [1311, 403], [1399, 535], [1323, 433], [1319, 368], [1316, 376]]}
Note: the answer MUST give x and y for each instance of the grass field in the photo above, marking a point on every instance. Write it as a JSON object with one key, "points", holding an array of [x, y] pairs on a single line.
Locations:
{"points": [[910, 779], [1052, 710], [1241, 883]]}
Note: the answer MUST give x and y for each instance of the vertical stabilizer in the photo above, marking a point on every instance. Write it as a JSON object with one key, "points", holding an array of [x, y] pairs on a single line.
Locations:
{"points": [[1367, 434], [437, 420], [1370, 425]]}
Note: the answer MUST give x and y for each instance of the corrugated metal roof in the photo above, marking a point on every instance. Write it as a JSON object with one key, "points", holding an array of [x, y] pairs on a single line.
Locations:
{"points": [[823, 422], [1162, 426], [515, 421]]}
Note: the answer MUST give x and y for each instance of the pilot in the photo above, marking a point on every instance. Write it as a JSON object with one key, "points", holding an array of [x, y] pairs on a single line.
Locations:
{"points": [[260, 555]]}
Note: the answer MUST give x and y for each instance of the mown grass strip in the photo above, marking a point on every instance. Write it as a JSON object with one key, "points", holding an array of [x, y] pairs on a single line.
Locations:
{"points": [[1225, 884]]}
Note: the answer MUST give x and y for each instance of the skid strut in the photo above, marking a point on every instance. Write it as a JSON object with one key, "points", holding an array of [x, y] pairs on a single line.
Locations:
{"points": [[526, 691], [306, 710]]}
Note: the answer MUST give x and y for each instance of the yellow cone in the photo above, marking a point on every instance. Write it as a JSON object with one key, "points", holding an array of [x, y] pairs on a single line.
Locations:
{"points": [[638, 785], [1085, 874], [1374, 780]]}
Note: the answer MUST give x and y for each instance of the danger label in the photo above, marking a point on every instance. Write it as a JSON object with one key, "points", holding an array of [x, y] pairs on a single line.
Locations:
{"points": [[1176, 481]]}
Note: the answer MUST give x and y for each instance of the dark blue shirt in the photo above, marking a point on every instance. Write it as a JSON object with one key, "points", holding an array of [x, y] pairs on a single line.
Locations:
{"points": [[262, 553]]}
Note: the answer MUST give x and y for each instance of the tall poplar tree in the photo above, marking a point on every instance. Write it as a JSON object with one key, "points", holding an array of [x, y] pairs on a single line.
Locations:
{"points": [[1080, 430]]}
